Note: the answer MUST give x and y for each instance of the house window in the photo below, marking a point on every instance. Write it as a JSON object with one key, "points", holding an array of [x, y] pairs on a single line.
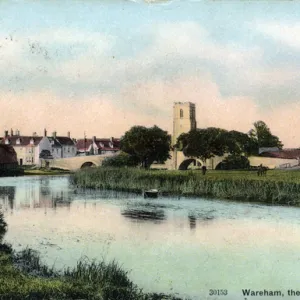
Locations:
{"points": [[68, 149], [181, 113], [32, 159]]}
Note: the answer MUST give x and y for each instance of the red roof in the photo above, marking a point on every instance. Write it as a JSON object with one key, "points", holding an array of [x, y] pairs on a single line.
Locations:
{"points": [[82, 145], [284, 154], [108, 144], [101, 143]]}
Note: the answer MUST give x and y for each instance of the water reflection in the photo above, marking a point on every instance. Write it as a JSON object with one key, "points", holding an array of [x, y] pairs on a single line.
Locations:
{"points": [[34, 194], [185, 245], [105, 194], [192, 221], [144, 214], [7, 195]]}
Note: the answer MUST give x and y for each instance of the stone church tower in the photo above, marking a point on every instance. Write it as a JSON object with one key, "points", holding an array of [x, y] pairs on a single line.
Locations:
{"points": [[184, 119]]}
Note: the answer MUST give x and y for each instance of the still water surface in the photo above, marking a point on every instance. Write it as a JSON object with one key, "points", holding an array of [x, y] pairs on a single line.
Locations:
{"points": [[171, 245]]}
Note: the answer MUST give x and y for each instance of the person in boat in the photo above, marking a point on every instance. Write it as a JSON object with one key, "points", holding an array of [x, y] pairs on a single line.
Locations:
{"points": [[204, 169]]}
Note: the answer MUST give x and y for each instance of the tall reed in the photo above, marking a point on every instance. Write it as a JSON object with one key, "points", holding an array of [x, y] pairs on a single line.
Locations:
{"points": [[278, 187]]}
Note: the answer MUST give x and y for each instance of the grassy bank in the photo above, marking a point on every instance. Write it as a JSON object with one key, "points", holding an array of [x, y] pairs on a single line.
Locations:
{"points": [[44, 172], [277, 187], [23, 276]]}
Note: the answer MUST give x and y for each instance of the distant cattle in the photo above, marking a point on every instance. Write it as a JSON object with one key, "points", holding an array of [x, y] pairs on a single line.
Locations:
{"points": [[262, 170]]}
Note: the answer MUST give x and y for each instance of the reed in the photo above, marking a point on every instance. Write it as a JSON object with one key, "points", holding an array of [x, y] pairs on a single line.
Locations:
{"points": [[278, 187]]}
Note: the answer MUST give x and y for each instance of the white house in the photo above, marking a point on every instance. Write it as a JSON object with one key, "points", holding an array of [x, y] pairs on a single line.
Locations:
{"points": [[30, 149]]}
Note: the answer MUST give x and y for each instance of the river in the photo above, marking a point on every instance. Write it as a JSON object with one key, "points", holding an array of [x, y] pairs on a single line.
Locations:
{"points": [[170, 244]]}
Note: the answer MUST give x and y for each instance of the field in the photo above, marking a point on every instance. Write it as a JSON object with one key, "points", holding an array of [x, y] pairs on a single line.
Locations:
{"points": [[276, 187]]}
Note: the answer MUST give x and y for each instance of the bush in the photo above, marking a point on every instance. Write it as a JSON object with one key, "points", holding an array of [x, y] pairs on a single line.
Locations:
{"points": [[121, 160], [234, 162]]}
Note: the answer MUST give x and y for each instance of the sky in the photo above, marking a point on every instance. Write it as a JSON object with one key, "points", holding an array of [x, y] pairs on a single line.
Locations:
{"points": [[101, 66]]}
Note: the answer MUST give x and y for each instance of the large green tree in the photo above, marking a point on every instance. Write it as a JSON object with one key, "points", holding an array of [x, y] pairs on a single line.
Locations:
{"points": [[147, 144], [239, 143], [262, 134], [203, 143]]}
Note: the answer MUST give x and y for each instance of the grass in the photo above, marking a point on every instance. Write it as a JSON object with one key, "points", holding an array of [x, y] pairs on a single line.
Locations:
{"points": [[277, 187], [23, 276], [44, 172]]}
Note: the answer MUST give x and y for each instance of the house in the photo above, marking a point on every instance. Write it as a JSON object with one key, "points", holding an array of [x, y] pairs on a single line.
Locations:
{"points": [[24, 146], [57, 146], [31, 149], [283, 154], [95, 146]]}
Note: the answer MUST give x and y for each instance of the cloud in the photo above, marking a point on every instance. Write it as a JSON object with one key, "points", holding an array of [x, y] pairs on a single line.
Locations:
{"points": [[117, 92], [155, 99], [285, 33], [36, 57], [146, 104]]}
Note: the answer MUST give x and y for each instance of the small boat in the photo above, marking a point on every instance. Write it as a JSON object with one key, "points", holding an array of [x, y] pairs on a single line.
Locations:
{"points": [[153, 193]]}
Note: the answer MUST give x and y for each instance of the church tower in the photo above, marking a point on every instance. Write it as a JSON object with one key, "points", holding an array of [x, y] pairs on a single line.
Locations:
{"points": [[184, 119]]}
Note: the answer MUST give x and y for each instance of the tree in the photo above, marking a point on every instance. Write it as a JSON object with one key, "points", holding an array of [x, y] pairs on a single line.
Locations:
{"points": [[46, 154], [3, 227], [234, 162], [146, 144], [262, 134], [241, 143], [203, 143], [121, 160]]}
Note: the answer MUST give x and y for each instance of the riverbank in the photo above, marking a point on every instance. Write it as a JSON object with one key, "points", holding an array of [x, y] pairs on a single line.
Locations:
{"points": [[44, 172], [23, 276], [11, 172], [277, 187]]}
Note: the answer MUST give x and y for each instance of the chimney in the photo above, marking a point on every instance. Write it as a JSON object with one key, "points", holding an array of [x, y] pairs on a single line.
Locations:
{"points": [[69, 134], [17, 132], [94, 138], [11, 132], [45, 132], [54, 134], [112, 139], [6, 133]]}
